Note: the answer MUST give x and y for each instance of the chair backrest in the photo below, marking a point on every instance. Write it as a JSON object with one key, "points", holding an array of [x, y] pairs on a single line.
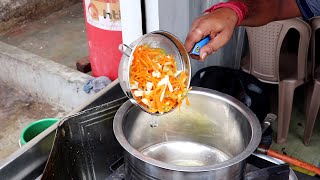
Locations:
{"points": [[315, 24], [265, 45], [264, 50]]}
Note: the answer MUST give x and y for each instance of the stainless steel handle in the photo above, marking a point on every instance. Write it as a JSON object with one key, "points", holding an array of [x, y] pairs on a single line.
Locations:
{"points": [[122, 49], [268, 120]]}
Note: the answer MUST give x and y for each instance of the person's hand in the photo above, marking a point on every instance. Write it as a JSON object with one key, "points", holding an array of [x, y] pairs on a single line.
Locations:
{"points": [[219, 24]]}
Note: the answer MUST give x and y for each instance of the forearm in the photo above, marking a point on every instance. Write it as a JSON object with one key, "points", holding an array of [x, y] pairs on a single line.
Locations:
{"points": [[261, 12]]}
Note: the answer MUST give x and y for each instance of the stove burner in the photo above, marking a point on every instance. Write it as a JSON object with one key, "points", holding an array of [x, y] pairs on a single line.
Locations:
{"points": [[276, 172], [256, 169], [118, 174]]}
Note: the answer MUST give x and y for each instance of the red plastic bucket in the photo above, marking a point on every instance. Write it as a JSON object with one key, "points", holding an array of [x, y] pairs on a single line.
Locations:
{"points": [[103, 25]]}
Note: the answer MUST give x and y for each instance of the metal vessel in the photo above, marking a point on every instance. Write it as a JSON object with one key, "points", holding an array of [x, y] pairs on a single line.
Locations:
{"points": [[210, 139]]}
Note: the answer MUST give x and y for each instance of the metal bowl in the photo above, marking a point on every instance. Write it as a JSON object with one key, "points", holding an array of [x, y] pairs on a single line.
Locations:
{"points": [[157, 39], [210, 139]]}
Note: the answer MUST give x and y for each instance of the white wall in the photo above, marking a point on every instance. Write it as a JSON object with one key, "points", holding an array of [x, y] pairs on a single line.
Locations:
{"points": [[131, 20], [152, 15]]}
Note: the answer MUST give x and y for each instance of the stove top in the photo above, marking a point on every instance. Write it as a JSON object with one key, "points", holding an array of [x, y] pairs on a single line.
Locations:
{"points": [[86, 148], [257, 168]]}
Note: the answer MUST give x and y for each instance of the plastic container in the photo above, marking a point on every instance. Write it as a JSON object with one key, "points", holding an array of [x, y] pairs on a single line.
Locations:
{"points": [[35, 128], [103, 28]]}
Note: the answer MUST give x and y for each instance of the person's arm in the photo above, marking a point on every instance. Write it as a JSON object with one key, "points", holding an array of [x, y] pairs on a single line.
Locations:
{"points": [[220, 23], [261, 12]]}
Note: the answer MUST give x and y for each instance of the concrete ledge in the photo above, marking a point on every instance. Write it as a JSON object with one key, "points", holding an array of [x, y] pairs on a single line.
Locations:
{"points": [[15, 11], [51, 82]]}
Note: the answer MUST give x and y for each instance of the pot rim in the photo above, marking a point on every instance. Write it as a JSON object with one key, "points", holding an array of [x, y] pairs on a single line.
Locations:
{"points": [[251, 147]]}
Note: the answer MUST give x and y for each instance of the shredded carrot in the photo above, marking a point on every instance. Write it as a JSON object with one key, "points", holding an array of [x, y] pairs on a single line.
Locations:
{"points": [[155, 82], [187, 101]]}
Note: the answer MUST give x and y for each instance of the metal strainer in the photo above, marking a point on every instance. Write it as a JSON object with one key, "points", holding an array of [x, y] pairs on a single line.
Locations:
{"points": [[156, 39]]}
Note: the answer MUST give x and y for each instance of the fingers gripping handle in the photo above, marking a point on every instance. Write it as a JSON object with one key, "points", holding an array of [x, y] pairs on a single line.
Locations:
{"points": [[196, 49]]}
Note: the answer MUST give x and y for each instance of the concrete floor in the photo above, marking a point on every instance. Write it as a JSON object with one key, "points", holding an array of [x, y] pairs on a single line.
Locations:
{"points": [[60, 37], [17, 110], [294, 146]]}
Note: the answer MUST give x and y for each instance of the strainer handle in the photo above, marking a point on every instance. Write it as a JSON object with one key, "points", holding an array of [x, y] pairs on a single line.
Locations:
{"points": [[122, 49]]}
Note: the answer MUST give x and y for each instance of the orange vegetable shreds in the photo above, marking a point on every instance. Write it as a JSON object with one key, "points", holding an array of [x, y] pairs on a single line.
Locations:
{"points": [[155, 82]]}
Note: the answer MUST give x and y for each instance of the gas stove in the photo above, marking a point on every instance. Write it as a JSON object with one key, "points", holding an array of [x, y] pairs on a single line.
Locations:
{"points": [[86, 148], [258, 168]]}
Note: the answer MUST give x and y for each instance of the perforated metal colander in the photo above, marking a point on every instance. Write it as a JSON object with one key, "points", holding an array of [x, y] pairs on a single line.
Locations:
{"points": [[157, 39]]}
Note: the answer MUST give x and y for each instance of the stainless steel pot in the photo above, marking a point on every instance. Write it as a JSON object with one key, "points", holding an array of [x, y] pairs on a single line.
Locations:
{"points": [[210, 139]]}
